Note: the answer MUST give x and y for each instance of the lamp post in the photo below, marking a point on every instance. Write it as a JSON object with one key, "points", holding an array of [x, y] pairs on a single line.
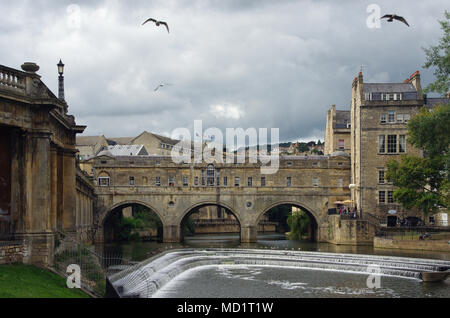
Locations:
{"points": [[61, 80]]}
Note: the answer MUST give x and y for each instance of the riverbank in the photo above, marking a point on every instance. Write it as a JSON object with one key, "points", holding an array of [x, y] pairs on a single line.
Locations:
{"points": [[420, 245], [27, 281]]}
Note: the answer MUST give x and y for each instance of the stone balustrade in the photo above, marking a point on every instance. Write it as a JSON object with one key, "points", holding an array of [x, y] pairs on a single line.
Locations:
{"points": [[12, 80]]}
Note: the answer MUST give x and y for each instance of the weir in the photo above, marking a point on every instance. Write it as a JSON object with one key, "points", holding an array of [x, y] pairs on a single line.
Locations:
{"points": [[146, 278]]}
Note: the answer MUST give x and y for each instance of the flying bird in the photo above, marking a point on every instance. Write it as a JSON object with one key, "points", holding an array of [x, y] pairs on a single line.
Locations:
{"points": [[158, 23], [161, 85], [391, 18]]}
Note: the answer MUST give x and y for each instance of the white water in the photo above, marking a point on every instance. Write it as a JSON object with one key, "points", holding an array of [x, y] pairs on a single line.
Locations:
{"points": [[146, 278]]}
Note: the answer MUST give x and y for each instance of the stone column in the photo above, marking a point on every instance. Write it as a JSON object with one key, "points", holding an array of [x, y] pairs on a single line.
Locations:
{"points": [[38, 182], [249, 233], [36, 230], [171, 234], [69, 191], [54, 187]]}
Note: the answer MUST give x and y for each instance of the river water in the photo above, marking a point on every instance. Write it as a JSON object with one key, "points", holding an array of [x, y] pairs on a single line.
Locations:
{"points": [[225, 281]]}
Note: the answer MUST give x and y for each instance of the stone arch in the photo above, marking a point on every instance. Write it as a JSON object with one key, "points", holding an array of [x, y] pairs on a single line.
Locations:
{"points": [[181, 217], [315, 225], [289, 202], [130, 202]]}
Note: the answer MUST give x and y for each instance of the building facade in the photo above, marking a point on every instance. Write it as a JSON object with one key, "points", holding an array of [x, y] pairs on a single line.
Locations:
{"points": [[38, 176], [337, 131]]}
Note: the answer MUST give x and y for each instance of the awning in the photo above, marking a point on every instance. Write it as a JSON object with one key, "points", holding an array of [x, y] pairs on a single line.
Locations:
{"points": [[348, 201]]}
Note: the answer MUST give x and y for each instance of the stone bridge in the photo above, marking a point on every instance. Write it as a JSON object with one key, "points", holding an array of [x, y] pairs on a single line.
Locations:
{"points": [[173, 191]]}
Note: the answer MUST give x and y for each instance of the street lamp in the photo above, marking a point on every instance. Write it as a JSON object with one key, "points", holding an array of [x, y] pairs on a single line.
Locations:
{"points": [[60, 67], [60, 80]]}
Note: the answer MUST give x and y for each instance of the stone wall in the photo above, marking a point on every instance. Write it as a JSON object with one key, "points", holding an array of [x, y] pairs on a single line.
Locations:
{"points": [[347, 232], [12, 252], [425, 245]]}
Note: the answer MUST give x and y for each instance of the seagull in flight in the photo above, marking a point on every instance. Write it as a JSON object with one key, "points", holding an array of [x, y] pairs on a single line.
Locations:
{"points": [[391, 18], [158, 23], [161, 85]]}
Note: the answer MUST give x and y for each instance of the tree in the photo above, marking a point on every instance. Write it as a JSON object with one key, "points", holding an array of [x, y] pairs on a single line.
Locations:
{"points": [[424, 183], [298, 223], [439, 57], [302, 147]]}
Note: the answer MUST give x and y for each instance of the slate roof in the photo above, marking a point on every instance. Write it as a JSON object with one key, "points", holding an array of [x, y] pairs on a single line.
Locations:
{"points": [[389, 88], [430, 102], [124, 150], [342, 118]]}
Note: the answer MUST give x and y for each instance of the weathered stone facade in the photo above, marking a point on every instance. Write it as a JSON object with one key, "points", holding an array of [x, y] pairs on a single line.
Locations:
{"points": [[337, 131], [378, 135], [173, 191], [38, 175], [86, 217]]}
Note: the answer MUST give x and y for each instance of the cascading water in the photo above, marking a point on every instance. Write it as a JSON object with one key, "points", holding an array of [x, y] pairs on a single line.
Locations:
{"points": [[146, 278]]}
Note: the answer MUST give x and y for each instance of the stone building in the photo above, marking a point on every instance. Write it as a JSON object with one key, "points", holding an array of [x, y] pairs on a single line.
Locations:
{"points": [[154, 144], [37, 170], [86, 204], [337, 131], [379, 113]]}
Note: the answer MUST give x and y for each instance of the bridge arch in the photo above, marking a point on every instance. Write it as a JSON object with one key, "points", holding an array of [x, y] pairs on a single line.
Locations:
{"points": [[128, 203], [108, 221], [182, 218], [313, 214], [207, 203]]}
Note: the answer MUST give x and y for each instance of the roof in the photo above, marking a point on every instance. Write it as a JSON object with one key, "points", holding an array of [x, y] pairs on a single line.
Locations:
{"points": [[430, 102], [163, 139], [342, 118], [86, 140], [121, 140], [389, 87], [124, 150]]}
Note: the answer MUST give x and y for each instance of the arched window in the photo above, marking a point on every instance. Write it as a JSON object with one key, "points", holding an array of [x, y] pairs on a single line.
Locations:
{"points": [[103, 179], [210, 175]]}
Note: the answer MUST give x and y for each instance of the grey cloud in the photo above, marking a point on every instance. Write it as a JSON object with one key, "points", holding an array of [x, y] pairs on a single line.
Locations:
{"points": [[282, 63]]}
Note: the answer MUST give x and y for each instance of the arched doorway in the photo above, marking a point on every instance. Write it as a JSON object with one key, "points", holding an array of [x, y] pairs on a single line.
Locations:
{"points": [[210, 224], [132, 221], [288, 220]]}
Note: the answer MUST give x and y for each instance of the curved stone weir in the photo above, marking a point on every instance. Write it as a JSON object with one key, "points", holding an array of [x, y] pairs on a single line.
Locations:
{"points": [[147, 277]]}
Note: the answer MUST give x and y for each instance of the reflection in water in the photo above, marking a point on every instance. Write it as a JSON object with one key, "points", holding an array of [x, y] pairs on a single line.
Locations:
{"points": [[138, 251]]}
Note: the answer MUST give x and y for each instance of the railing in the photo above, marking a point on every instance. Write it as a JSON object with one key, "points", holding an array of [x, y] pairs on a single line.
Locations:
{"points": [[415, 233], [12, 80], [372, 219], [94, 267]]}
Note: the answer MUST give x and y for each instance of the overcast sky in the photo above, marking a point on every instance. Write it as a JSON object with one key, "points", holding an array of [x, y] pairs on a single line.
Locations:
{"points": [[231, 63]]}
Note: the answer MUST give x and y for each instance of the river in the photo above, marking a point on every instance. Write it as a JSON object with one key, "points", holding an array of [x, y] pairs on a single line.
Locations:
{"points": [[224, 281]]}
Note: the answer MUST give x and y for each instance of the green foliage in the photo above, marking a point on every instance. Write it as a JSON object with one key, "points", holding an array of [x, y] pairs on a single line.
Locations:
{"points": [[423, 183], [303, 147], [298, 223], [439, 57], [189, 226], [143, 218]]}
